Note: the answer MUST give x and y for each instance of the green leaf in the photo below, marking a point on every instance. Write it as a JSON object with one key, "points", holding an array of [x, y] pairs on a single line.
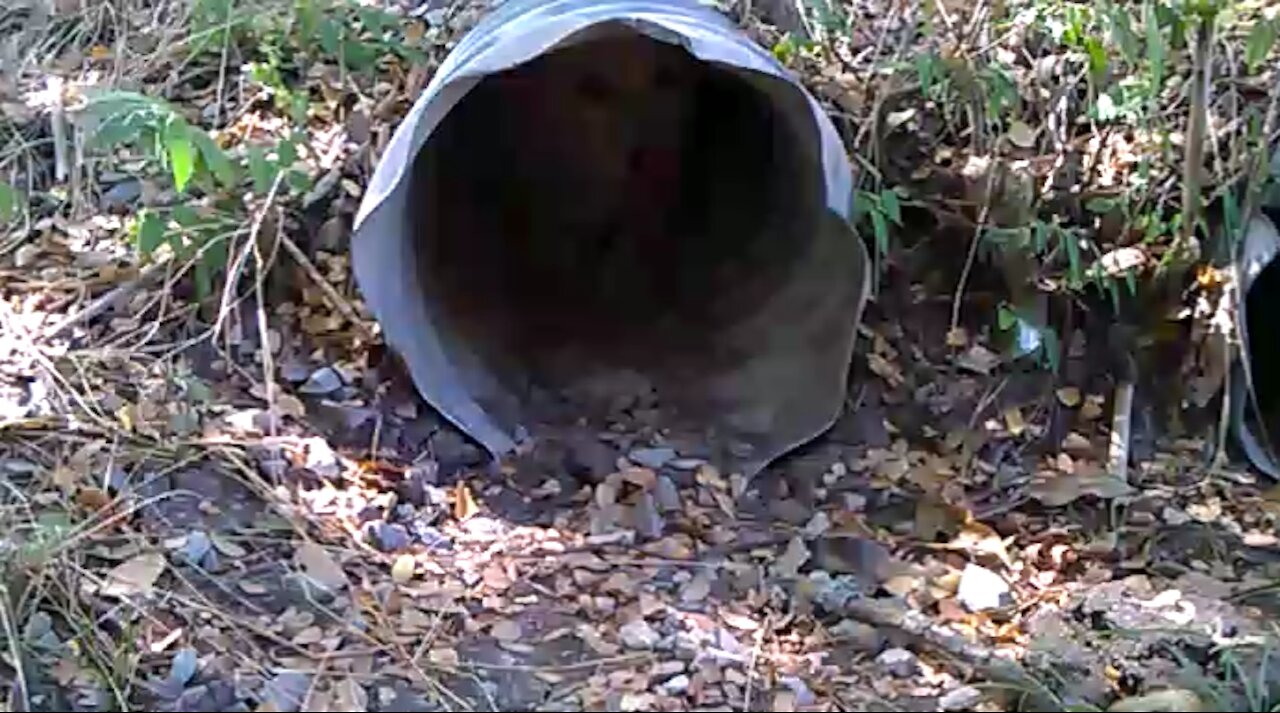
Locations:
{"points": [[892, 208], [1123, 35], [1006, 318], [204, 280], [880, 229], [330, 36], [1261, 39], [10, 202], [1156, 49], [1100, 206], [186, 216], [261, 170], [150, 232], [215, 159], [177, 142], [1073, 256], [1040, 236], [1097, 56]]}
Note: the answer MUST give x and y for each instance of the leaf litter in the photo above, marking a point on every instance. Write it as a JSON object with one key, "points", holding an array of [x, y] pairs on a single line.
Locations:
{"points": [[321, 561]]}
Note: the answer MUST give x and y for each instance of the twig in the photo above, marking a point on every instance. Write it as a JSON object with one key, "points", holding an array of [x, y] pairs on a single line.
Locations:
{"points": [[1121, 425], [58, 129], [264, 333], [109, 299], [309, 267], [983, 216], [1193, 156]]}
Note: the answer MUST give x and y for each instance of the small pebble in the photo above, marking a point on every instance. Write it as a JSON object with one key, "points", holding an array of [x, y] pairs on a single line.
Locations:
{"points": [[687, 463], [324, 380], [899, 663], [667, 495], [960, 699], [981, 589], [861, 636], [676, 685], [389, 537], [652, 457], [645, 517], [637, 634]]}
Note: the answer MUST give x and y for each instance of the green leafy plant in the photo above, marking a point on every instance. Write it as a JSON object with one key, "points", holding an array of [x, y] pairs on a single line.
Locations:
{"points": [[882, 208], [155, 128], [11, 203]]}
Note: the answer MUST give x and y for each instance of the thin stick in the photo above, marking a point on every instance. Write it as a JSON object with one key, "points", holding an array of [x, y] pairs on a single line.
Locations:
{"points": [[1193, 156], [309, 267], [983, 216], [108, 299], [1121, 426]]}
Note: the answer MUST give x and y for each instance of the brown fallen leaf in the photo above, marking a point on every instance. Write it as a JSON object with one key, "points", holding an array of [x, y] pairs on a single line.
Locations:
{"points": [[978, 538], [464, 503], [1058, 489], [1013, 420], [1069, 396], [697, 589], [739, 621], [134, 577], [402, 569], [319, 565], [506, 630], [796, 554]]}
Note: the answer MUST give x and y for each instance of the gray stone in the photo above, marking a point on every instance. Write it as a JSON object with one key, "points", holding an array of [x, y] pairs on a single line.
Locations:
{"points": [[861, 636], [652, 457], [324, 380], [677, 685], [645, 517], [637, 634], [982, 590], [963, 698], [899, 663], [667, 495], [122, 194]]}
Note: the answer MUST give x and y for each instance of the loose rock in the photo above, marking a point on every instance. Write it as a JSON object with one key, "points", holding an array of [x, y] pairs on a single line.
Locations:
{"points": [[324, 380], [899, 663], [652, 457], [960, 699], [637, 634], [677, 685], [981, 589], [863, 637], [666, 494]]}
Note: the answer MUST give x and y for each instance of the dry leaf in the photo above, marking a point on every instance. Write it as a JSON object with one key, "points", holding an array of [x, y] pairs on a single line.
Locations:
{"points": [[978, 538], [1092, 408], [443, 657], [1022, 135], [506, 630], [978, 359], [464, 503], [1069, 396], [796, 554], [348, 697], [309, 635], [227, 547], [697, 589], [1013, 420], [136, 576], [402, 569], [1169, 699], [885, 369], [739, 621], [1056, 490], [957, 337], [320, 566]]}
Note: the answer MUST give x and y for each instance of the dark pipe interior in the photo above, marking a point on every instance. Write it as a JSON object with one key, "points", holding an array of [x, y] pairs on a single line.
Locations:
{"points": [[615, 196], [1262, 320]]}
